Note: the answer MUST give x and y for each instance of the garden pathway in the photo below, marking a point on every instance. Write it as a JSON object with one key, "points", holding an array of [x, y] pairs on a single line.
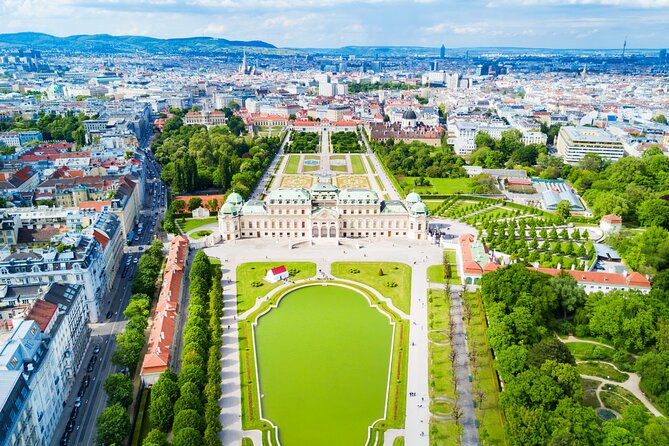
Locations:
{"points": [[269, 173], [387, 184], [631, 384]]}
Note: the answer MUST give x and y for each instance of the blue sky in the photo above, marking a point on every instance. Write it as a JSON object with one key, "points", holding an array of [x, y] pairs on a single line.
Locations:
{"points": [[335, 23]]}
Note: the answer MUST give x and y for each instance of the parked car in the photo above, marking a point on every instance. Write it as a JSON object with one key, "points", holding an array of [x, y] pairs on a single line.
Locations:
{"points": [[82, 391], [96, 349], [87, 380], [74, 413], [77, 402], [70, 426], [109, 314]]}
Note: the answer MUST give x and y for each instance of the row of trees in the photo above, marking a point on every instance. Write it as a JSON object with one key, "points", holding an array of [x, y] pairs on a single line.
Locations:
{"points": [[543, 396], [303, 142], [188, 404], [113, 424], [345, 142], [197, 158]]}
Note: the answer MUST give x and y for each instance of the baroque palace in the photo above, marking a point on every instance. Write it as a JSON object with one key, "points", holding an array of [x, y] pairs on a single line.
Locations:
{"points": [[323, 212]]}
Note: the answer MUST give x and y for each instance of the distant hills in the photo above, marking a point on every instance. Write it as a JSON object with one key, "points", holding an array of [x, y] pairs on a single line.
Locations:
{"points": [[105, 43]]}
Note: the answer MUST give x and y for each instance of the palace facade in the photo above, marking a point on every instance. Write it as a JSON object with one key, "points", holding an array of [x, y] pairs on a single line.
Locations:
{"points": [[323, 212]]}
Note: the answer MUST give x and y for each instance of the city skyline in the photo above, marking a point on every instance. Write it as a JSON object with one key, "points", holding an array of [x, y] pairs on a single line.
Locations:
{"points": [[578, 24]]}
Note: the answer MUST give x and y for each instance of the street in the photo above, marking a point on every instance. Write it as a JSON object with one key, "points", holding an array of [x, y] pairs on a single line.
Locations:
{"points": [[103, 334]]}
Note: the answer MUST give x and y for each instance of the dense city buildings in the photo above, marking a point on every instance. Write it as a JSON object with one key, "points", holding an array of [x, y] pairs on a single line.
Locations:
{"points": [[452, 174]]}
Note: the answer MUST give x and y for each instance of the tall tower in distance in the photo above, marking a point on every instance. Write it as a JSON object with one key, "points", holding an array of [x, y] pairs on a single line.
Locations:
{"points": [[244, 68], [442, 51]]}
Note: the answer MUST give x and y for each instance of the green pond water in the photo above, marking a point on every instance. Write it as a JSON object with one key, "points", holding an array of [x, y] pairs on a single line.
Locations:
{"points": [[323, 358]]}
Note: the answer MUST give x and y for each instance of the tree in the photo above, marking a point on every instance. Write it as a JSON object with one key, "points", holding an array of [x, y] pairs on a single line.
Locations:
{"points": [[569, 294], [549, 349], [572, 423], [654, 370], [212, 205], [161, 412], [654, 212], [156, 437], [166, 386], [179, 205], [236, 125], [660, 118], [187, 418], [194, 374], [129, 346], [188, 437], [113, 425], [511, 361], [194, 203], [563, 210], [119, 389]]}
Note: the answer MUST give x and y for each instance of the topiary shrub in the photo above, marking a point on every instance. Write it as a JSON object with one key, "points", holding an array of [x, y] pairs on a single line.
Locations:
{"points": [[256, 284], [391, 284]]}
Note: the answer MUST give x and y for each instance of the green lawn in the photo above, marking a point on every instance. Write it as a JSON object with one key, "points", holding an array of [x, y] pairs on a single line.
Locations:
{"points": [[584, 351], [200, 234], [601, 370], [590, 392], [435, 273], [323, 357], [444, 433], [442, 186], [357, 165], [399, 441], [194, 223], [440, 369], [247, 273], [488, 413], [393, 272], [292, 165]]}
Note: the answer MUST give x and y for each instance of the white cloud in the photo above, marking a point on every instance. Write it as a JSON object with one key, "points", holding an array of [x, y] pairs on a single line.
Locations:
{"points": [[646, 4]]}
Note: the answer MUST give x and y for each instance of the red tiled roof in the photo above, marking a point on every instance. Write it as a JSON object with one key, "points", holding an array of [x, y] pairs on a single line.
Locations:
{"points": [[601, 278], [42, 312], [279, 270], [159, 350], [612, 219]]}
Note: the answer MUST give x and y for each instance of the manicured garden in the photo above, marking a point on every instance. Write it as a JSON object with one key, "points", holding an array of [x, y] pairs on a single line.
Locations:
{"points": [[485, 384], [193, 223], [441, 375], [435, 273], [323, 361], [391, 279], [601, 370], [251, 283], [357, 165], [396, 395], [345, 142], [200, 234], [441, 186], [311, 167], [292, 165], [302, 142]]}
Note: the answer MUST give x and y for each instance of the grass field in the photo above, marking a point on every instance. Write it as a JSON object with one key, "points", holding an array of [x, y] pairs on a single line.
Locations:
{"points": [[247, 273], [194, 223], [435, 273], [323, 357], [442, 385], [442, 185], [200, 234], [292, 165], [432, 205], [601, 370], [488, 413], [357, 165], [368, 274], [584, 351]]}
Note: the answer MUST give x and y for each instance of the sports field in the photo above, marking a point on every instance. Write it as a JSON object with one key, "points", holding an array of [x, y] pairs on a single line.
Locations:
{"points": [[323, 359]]}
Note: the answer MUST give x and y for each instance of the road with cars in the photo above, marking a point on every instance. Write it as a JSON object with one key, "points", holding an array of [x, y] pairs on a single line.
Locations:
{"points": [[87, 398]]}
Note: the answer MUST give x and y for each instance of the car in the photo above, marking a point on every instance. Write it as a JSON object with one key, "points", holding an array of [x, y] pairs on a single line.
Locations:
{"points": [[109, 314], [93, 360], [96, 349], [141, 248], [82, 390], [87, 380], [70, 426], [77, 402], [135, 260], [125, 371], [90, 368], [65, 439], [136, 238], [74, 413], [128, 261]]}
